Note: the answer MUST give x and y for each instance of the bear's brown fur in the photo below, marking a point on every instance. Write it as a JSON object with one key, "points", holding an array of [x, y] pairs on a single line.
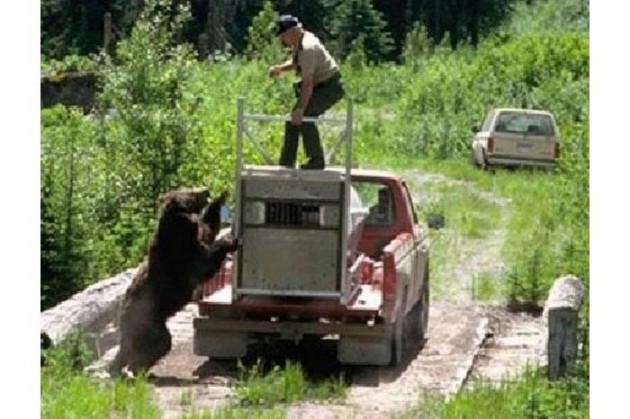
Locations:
{"points": [[183, 253]]}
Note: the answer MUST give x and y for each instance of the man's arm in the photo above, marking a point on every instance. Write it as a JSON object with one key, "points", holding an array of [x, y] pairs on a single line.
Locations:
{"points": [[275, 70], [306, 91]]}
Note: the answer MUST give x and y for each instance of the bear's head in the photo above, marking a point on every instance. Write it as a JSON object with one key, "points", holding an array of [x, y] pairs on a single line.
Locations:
{"points": [[188, 200]]}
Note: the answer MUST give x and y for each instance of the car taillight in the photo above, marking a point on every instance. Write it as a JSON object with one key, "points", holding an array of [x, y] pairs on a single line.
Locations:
{"points": [[556, 150], [490, 144]]}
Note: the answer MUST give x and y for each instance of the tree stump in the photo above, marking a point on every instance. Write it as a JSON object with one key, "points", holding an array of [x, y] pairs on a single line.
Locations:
{"points": [[561, 310]]}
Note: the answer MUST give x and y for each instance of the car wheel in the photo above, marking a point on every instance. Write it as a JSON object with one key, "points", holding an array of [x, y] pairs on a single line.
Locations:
{"points": [[484, 161], [471, 158]]}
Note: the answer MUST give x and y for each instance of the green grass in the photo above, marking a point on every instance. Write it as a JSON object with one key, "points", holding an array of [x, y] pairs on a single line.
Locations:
{"points": [[522, 202], [529, 396], [77, 396], [263, 393], [186, 398], [464, 208], [283, 385], [486, 287], [68, 393]]}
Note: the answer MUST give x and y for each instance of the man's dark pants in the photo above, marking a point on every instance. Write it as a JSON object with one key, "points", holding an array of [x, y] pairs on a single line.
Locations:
{"points": [[324, 96]]}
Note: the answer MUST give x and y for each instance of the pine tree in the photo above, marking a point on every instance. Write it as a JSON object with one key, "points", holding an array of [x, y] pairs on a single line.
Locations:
{"points": [[354, 18], [262, 42]]}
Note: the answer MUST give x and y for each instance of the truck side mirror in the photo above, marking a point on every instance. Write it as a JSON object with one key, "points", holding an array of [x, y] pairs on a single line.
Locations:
{"points": [[475, 129], [435, 221]]}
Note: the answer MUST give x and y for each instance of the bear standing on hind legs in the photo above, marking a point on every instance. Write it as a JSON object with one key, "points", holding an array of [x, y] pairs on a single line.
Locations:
{"points": [[183, 253]]}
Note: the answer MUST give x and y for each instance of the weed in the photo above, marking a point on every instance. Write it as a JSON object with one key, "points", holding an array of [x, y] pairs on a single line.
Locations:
{"points": [[282, 385], [528, 396], [186, 398], [485, 286], [68, 392]]}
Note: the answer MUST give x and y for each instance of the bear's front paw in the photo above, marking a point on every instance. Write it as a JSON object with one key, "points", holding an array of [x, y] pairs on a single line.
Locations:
{"points": [[228, 243]]}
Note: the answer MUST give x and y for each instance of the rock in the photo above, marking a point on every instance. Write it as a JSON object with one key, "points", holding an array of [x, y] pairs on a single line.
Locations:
{"points": [[566, 292], [89, 310]]}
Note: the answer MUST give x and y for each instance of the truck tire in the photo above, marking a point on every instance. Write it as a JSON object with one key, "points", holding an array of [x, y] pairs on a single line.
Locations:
{"points": [[418, 317], [424, 306], [484, 161], [399, 332], [472, 159], [398, 341]]}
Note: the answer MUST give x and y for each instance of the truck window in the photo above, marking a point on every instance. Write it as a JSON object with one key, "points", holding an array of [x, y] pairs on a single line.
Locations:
{"points": [[377, 198], [525, 123], [487, 123], [412, 210]]}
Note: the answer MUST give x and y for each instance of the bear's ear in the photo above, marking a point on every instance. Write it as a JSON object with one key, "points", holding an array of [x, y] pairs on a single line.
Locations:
{"points": [[220, 200], [166, 203], [163, 198]]}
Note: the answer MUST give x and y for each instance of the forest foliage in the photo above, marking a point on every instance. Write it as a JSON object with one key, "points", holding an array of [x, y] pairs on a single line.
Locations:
{"points": [[76, 26]]}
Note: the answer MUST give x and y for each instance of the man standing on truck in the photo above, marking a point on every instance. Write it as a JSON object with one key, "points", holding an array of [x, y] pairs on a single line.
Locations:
{"points": [[320, 88]]}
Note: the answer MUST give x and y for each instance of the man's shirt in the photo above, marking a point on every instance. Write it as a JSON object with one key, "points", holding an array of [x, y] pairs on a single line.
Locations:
{"points": [[313, 60]]}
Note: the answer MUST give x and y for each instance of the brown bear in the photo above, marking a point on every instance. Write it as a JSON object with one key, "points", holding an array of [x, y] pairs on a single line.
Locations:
{"points": [[183, 253]]}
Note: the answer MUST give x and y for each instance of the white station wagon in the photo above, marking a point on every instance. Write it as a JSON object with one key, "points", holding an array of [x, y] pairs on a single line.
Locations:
{"points": [[516, 137]]}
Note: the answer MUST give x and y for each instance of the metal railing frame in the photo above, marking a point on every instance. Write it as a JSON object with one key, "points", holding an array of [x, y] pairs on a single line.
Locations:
{"points": [[346, 135]]}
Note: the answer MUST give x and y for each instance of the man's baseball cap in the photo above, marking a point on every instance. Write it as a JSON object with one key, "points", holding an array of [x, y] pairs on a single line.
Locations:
{"points": [[284, 23]]}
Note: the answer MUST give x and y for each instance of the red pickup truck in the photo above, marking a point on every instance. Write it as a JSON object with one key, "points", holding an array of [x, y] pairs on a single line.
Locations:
{"points": [[320, 254]]}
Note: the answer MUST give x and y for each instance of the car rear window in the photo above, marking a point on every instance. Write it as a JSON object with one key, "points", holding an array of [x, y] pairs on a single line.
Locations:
{"points": [[488, 121], [524, 123]]}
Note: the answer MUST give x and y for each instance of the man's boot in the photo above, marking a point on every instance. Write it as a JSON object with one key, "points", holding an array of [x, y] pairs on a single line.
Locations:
{"points": [[313, 164]]}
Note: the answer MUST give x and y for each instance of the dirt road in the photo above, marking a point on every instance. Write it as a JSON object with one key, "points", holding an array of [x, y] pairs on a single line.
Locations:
{"points": [[466, 342]]}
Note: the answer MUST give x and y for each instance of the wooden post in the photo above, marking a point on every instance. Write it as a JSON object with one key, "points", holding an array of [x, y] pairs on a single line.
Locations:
{"points": [[107, 31], [563, 304]]}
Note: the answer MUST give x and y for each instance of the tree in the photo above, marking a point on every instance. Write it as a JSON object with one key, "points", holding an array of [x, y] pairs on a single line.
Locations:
{"points": [[355, 18], [312, 14], [399, 15], [417, 43], [76, 26], [262, 42], [154, 133], [68, 188]]}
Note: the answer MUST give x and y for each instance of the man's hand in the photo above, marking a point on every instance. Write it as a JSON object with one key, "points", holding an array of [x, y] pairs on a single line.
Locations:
{"points": [[296, 116], [274, 71]]}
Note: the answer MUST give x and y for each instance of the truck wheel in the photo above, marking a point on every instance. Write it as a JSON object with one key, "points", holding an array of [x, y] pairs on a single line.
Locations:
{"points": [[424, 307], [418, 321], [484, 161], [398, 340], [398, 335], [471, 158]]}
